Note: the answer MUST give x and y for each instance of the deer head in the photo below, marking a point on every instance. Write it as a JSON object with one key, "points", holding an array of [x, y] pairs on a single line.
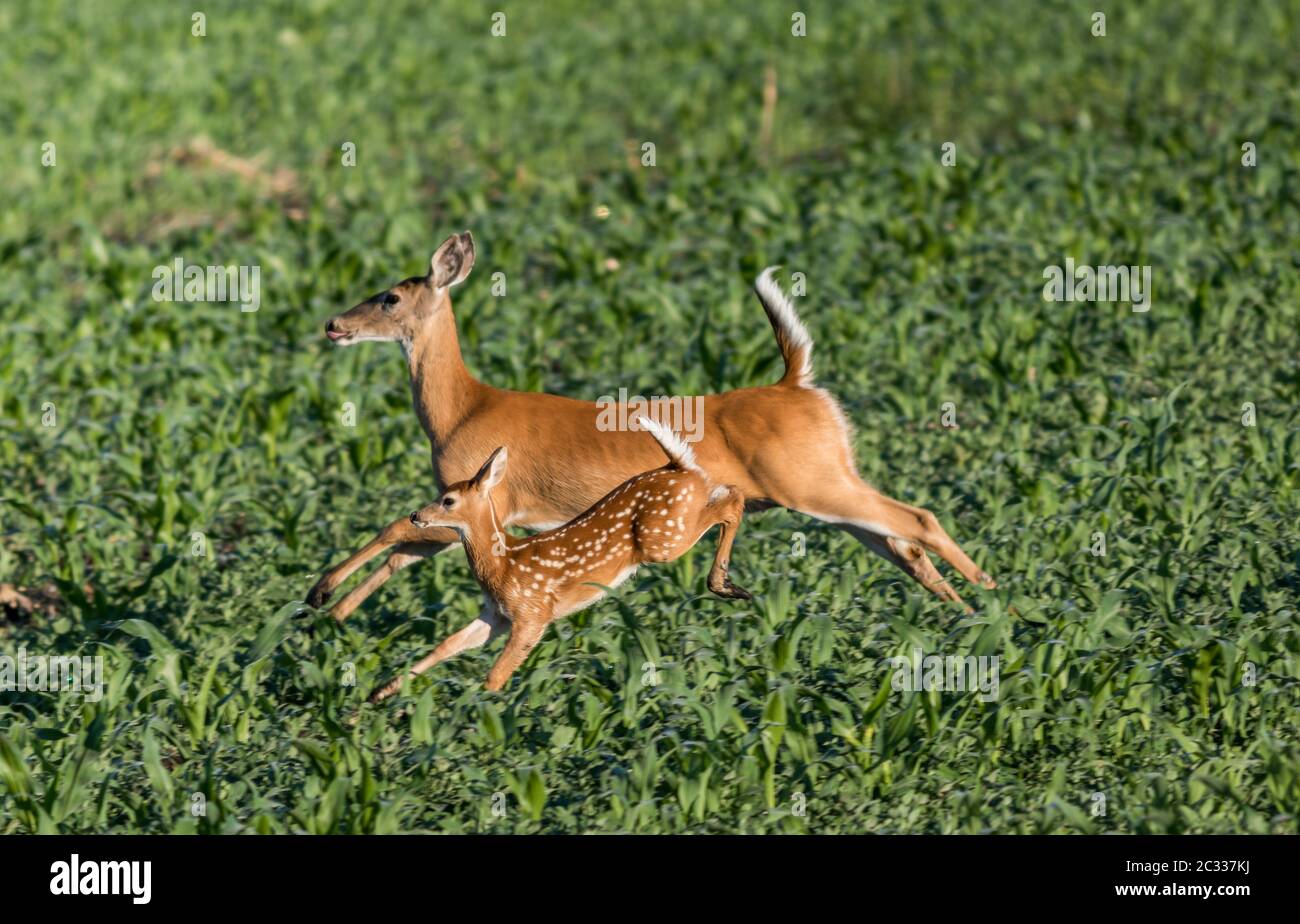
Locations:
{"points": [[466, 506], [400, 312]]}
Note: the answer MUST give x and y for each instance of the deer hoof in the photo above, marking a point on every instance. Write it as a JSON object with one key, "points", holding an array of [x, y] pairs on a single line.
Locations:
{"points": [[318, 595], [384, 692]]}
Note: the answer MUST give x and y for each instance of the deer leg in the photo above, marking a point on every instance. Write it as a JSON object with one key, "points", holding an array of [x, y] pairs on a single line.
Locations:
{"points": [[727, 509], [921, 527], [899, 527], [911, 559], [395, 533], [524, 636], [486, 627], [405, 555]]}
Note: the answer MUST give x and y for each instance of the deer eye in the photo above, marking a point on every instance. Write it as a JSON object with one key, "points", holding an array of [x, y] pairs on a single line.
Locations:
{"points": [[389, 299], [449, 502]]}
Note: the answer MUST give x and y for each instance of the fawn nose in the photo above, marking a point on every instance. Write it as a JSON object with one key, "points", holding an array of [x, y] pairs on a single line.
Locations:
{"points": [[332, 329], [415, 518]]}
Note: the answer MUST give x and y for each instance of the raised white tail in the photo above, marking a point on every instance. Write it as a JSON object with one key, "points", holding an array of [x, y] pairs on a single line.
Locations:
{"points": [[678, 450], [791, 336]]}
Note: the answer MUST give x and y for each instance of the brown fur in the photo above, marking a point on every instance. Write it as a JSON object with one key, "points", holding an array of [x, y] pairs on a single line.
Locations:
{"points": [[654, 517], [784, 445]]}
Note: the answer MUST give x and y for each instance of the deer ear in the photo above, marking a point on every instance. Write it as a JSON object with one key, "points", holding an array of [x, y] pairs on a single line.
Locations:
{"points": [[493, 470], [452, 261]]}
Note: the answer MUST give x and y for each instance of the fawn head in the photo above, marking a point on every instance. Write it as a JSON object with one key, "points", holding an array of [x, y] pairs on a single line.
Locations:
{"points": [[398, 313], [464, 505]]}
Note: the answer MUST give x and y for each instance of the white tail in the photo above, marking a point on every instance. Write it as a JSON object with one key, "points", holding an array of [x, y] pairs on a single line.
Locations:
{"points": [[791, 336], [678, 450]]}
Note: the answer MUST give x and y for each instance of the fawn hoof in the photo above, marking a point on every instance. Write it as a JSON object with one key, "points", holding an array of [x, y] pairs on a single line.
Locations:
{"points": [[986, 581], [384, 692], [318, 595], [730, 591]]}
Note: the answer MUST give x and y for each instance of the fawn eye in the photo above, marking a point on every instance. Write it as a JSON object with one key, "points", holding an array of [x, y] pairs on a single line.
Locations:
{"points": [[389, 299], [449, 502]]}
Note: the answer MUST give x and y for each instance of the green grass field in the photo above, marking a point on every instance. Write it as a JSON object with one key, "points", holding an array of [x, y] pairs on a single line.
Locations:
{"points": [[1155, 688]]}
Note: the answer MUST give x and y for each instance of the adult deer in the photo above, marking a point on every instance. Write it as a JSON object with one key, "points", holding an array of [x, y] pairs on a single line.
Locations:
{"points": [[782, 445]]}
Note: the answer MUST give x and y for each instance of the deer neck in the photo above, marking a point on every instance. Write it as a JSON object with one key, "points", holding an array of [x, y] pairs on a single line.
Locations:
{"points": [[441, 386]]}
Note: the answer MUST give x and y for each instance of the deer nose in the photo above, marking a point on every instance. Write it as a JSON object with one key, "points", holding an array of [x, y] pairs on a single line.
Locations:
{"points": [[332, 329], [415, 518]]}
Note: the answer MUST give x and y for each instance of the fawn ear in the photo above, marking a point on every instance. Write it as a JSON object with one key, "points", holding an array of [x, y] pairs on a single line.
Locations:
{"points": [[493, 470], [452, 261]]}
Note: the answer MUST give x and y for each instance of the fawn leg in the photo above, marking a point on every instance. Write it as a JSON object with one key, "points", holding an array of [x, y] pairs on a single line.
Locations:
{"points": [[395, 533], [486, 627], [727, 509], [524, 636]]}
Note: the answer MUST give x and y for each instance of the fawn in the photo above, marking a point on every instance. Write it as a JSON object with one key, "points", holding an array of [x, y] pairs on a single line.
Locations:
{"points": [[657, 516], [782, 445]]}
